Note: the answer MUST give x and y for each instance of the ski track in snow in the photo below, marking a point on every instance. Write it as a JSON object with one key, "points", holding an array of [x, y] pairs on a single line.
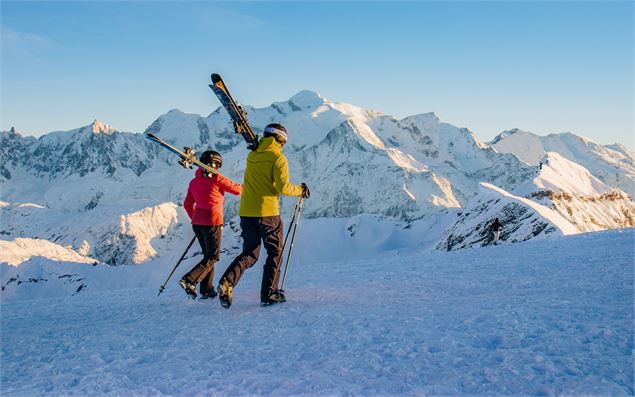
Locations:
{"points": [[537, 318]]}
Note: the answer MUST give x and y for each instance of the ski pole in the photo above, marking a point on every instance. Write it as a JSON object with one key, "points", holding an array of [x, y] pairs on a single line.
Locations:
{"points": [[286, 237], [177, 265], [295, 211], [295, 228]]}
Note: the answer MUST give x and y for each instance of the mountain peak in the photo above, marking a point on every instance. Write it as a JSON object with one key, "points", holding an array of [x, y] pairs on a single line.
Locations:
{"points": [[306, 99], [506, 133], [576, 138], [431, 116], [622, 149], [99, 127]]}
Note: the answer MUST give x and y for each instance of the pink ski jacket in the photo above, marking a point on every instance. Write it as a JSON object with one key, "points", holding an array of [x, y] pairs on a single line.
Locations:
{"points": [[205, 198]]}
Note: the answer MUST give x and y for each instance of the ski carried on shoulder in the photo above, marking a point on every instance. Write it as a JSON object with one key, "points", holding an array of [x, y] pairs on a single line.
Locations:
{"points": [[235, 110], [187, 155]]}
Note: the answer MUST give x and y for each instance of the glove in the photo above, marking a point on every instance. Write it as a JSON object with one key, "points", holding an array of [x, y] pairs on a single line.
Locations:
{"points": [[305, 190]]}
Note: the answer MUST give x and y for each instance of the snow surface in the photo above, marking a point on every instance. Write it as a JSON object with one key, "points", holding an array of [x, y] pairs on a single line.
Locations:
{"points": [[551, 317], [21, 250], [317, 241]]}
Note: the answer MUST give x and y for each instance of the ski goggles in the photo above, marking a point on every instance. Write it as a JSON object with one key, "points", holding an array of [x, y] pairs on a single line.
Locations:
{"points": [[282, 134]]}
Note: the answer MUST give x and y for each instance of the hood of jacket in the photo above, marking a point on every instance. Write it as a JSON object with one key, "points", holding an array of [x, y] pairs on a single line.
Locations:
{"points": [[269, 144]]}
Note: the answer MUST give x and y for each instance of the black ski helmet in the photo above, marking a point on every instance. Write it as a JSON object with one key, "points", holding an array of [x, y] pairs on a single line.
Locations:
{"points": [[277, 131], [212, 158]]}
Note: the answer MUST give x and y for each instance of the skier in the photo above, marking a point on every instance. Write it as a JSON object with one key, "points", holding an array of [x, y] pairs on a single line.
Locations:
{"points": [[496, 229], [266, 177], [204, 206]]}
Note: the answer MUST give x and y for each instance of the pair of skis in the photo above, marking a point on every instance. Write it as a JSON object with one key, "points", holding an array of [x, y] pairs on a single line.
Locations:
{"points": [[238, 116], [235, 110], [187, 155]]}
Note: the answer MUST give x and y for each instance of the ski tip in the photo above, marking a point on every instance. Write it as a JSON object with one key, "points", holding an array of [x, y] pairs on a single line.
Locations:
{"points": [[150, 136], [216, 78]]}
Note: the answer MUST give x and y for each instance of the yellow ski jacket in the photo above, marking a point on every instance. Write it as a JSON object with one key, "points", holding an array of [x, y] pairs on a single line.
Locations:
{"points": [[266, 177]]}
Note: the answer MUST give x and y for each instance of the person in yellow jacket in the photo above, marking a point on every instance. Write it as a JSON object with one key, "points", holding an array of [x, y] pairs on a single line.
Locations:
{"points": [[266, 177]]}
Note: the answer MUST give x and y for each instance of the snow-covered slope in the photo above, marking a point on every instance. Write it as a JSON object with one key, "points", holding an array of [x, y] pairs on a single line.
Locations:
{"points": [[522, 218], [317, 240], [613, 164], [21, 250], [36, 268], [561, 175], [551, 317], [111, 234], [581, 198]]}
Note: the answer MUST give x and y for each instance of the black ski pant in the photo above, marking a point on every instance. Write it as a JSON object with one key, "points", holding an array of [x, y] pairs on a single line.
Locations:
{"points": [[209, 237], [267, 229]]}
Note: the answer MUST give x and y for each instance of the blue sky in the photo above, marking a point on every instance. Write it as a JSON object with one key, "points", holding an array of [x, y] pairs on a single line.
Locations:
{"points": [[540, 66]]}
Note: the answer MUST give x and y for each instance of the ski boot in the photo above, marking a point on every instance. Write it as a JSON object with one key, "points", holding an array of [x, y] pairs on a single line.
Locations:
{"points": [[225, 293], [190, 289], [210, 295], [276, 297]]}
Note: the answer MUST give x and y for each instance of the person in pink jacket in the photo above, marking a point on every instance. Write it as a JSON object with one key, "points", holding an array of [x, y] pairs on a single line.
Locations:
{"points": [[204, 206]]}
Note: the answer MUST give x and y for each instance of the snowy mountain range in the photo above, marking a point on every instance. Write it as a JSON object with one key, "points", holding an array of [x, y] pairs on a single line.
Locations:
{"points": [[114, 197], [613, 164]]}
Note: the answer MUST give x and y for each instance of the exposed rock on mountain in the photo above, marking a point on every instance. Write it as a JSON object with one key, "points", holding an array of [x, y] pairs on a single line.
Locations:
{"points": [[522, 219]]}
